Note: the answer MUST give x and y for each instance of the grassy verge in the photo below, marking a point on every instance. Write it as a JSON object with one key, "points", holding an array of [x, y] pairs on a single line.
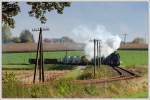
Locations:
{"points": [[65, 87], [61, 88], [18, 67], [74, 73], [103, 71], [143, 94], [31, 67]]}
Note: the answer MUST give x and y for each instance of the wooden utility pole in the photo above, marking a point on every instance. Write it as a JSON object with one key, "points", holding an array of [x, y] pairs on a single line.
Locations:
{"points": [[66, 53], [94, 56], [124, 36], [97, 55], [97, 52], [39, 56]]}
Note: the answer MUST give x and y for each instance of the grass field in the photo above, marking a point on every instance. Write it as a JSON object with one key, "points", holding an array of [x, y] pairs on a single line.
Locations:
{"points": [[134, 57], [22, 58], [128, 57]]}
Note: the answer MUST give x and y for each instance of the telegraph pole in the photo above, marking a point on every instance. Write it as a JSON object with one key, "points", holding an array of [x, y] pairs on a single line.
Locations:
{"points": [[97, 55], [39, 56], [124, 36], [94, 56], [99, 42]]}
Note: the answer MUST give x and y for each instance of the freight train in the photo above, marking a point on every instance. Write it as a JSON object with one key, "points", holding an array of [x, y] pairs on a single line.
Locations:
{"points": [[111, 60]]}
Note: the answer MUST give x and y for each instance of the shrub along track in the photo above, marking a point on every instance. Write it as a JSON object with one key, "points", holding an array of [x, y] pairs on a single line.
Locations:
{"points": [[123, 75]]}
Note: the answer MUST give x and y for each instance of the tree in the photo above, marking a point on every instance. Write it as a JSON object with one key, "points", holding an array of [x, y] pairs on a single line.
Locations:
{"points": [[46, 40], [67, 39], [16, 40], [6, 34], [38, 10], [26, 36], [138, 40], [9, 10]]}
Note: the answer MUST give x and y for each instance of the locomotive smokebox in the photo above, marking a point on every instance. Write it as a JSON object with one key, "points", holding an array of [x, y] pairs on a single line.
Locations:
{"points": [[112, 60]]}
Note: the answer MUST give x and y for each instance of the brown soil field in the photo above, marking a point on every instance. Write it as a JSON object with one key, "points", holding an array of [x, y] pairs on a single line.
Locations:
{"points": [[134, 46], [32, 47]]}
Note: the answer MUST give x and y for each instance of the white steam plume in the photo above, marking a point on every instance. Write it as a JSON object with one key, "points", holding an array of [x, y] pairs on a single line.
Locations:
{"points": [[109, 42]]}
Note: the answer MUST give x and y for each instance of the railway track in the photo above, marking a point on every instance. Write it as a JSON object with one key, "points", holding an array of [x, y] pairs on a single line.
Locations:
{"points": [[123, 75], [124, 72]]}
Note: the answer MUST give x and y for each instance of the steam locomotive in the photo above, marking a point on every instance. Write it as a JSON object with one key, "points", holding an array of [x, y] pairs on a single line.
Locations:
{"points": [[112, 60]]}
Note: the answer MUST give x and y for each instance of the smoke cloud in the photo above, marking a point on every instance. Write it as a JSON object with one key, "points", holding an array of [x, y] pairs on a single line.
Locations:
{"points": [[109, 42]]}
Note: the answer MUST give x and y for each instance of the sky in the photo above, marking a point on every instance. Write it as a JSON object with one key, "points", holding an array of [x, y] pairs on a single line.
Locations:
{"points": [[116, 17]]}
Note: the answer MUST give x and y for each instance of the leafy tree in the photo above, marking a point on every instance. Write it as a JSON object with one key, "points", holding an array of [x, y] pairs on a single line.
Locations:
{"points": [[16, 40], [9, 10], [67, 39], [38, 10], [138, 40], [6, 34], [46, 40], [26, 36]]}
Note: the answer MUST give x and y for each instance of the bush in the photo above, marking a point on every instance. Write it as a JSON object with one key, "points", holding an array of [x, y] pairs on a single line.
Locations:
{"points": [[38, 91], [64, 87], [91, 90], [9, 77], [85, 76], [16, 40], [11, 86]]}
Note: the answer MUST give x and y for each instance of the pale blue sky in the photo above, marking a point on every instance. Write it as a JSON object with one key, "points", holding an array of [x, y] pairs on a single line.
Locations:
{"points": [[117, 17]]}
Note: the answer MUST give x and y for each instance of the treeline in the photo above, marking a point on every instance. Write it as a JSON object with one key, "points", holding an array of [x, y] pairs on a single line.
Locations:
{"points": [[24, 37], [137, 40]]}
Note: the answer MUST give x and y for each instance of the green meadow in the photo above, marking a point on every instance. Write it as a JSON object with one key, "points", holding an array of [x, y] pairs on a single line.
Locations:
{"points": [[128, 57]]}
